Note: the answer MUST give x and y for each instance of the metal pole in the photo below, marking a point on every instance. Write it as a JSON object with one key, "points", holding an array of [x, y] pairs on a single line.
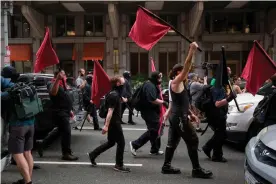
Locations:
{"points": [[6, 33]]}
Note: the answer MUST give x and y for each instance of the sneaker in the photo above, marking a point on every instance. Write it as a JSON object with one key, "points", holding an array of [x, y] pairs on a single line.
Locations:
{"points": [[92, 160], [98, 129], [157, 153], [69, 157], [132, 150], [219, 159], [201, 173], [206, 151], [36, 167], [19, 182], [122, 169], [170, 170]]}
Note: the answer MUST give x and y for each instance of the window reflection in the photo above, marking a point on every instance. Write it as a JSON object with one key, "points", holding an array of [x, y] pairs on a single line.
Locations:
{"points": [[65, 26], [19, 27], [94, 25]]}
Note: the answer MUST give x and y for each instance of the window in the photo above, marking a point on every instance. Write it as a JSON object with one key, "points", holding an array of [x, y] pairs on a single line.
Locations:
{"points": [[89, 65], [166, 62], [219, 22], [132, 19], [139, 63], [22, 66], [171, 19], [19, 27], [94, 24], [250, 24], [207, 22], [235, 22], [65, 26]]}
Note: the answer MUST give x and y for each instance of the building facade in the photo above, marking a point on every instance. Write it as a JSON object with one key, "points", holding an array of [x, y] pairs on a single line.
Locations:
{"points": [[88, 31]]}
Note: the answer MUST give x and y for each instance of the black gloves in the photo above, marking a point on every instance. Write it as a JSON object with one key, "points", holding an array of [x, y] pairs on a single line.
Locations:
{"points": [[231, 97], [166, 104]]}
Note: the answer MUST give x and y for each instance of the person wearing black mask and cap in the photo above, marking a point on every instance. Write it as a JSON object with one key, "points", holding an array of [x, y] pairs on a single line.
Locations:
{"points": [[113, 126], [151, 114], [127, 93]]}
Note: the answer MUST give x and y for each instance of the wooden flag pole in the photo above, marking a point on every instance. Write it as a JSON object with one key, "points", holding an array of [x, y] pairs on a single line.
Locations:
{"points": [[166, 23], [229, 83]]}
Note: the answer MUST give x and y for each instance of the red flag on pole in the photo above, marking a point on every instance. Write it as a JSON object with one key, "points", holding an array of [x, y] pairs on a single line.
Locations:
{"points": [[147, 31], [163, 109], [259, 67], [45, 56], [100, 84]]}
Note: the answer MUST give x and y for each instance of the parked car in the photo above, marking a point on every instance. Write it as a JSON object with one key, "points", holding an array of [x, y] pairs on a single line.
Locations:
{"points": [[260, 157], [241, 126]]}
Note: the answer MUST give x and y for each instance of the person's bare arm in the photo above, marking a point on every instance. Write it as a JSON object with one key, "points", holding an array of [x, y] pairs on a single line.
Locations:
{"points": [[108, 117], [221, 103], [158, 102], [238, 90], [55, 86], [187, 65]]}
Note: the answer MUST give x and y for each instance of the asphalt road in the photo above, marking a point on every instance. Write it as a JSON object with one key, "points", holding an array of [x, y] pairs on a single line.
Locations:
{"points": [[145, 169]]}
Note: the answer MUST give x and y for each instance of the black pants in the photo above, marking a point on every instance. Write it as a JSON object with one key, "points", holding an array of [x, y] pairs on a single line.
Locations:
{"points": [[62, 121], [115, 135], [150, 135], [124, 106], [91, 109], [217, 140], [187, 133]]}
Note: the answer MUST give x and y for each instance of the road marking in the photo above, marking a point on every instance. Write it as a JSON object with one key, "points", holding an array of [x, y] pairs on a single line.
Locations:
{"points": [[135, 129], [83, 163]]}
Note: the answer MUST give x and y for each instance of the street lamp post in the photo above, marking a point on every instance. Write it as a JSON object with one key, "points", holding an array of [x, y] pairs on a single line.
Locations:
{"points": [[7, 7]]}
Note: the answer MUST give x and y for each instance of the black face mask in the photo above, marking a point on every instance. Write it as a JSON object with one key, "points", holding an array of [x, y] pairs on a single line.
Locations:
{"points": [[274, 82], [119, 89], [82, 75]]}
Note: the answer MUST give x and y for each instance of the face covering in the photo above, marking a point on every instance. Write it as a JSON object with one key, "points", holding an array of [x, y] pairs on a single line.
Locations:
{"points": [[119, 89], [82, 75], [155, 77]]}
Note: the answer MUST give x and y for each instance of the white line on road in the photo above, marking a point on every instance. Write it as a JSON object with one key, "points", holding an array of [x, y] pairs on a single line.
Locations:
{"points": [[83, 163], [135, 129]]}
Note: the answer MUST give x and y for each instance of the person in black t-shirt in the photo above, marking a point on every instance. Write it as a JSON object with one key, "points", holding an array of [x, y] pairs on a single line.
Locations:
{"points": [[151, 114], [270, 118], [113, 126], [62, 110]]}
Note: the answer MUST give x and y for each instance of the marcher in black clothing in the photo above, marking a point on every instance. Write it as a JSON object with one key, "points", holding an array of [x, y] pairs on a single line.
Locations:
{"points": [[270, 118], [151, 114], [127, 93], [62, 111], [88, 104], [113, 126], [180, 120]]}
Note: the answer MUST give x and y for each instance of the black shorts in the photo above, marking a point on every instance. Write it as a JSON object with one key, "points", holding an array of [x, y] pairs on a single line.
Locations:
{"points": [[21, 139]]}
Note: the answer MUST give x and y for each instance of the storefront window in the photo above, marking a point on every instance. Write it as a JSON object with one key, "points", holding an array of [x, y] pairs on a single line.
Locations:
{"points": [[139, 64], [166, 62], [65, 26], [93, 24], [89, 65], [22, 66], [19, 27]]}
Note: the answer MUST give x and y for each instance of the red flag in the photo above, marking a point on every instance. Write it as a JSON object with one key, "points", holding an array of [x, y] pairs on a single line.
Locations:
{"points": [[147, 31], [163, 109], [259, 67], [45, 56], [100, 84]]}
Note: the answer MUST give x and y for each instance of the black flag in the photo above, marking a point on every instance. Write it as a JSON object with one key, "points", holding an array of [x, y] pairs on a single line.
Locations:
{"points": [[221, 73]]}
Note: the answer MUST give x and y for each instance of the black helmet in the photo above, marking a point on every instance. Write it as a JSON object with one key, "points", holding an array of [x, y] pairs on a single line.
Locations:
{"points": [[126, 74], [10, 72]]}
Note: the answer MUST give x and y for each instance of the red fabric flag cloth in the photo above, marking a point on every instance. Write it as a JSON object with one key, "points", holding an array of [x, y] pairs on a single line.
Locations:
{"points": [[259, 68], [147, 31], [45, 56], [163, 109], [100, 84]]}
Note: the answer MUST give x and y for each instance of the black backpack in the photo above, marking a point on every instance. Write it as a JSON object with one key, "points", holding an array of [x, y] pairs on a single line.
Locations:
{"points": [[136, 101], [205, 101], [189, 92], [262, 107], [104, 107]]}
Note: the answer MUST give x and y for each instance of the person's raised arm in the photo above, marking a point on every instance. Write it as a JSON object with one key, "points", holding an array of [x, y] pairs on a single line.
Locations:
{"points": [[54, 88], [187, 65]]}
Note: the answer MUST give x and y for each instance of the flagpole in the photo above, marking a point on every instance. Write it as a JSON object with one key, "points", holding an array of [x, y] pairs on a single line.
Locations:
{"points": [[260, 47], [229, 83], [166, 23]]}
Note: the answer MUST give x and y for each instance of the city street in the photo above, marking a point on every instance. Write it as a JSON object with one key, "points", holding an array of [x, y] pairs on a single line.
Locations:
{"points": [[146, 169]]}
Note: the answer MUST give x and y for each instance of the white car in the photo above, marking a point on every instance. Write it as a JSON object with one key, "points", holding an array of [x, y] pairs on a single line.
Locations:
{"points": [[240, 126], [260, 157]]}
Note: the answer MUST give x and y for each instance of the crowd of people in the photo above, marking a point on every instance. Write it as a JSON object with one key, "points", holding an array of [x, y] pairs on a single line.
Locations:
{"points": [[184, 117]]}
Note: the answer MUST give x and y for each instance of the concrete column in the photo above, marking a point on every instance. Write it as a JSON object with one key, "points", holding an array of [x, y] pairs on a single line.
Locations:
{"points": [[51, 25], [122, 44], [79, 25], [35, 19], [35, 46], [113, 18], [195, 17], [274, 47], [183, 26], [109, 49]]}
